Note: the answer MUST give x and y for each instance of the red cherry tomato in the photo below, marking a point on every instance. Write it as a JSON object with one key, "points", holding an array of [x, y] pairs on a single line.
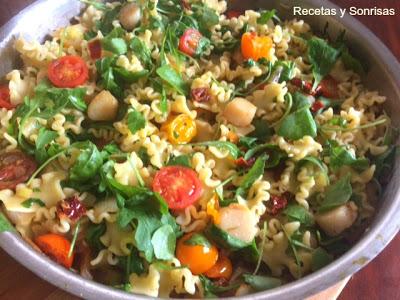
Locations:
{"points": [[15, 167], [68, 72], [180, 186], [189, 41], [328, 88], [233, 14], [5, 98], [95, 49]]}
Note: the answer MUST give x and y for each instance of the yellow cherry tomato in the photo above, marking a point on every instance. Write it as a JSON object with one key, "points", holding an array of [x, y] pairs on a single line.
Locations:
{"points": [[213, 209], [198, 258], [222, 269], [180, 129], [254, 46]]}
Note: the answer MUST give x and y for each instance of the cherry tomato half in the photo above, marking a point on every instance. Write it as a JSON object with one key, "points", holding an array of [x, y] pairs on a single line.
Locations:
{"points": [[5, 98], [180, 129], [68, 71], [222, 269], [198, 258], [178, 185], [328, 88], [15, 167], [254, 46], [189, 41], [56, 247]]}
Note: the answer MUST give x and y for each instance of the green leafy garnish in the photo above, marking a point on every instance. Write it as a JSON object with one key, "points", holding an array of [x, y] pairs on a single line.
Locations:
{"points": [[337, 194], [322, 58], [88, 162], [252, 175], [198, 239], [136, 121], [173, 78], [181, 160], [5, 225], [93, 234], [296, 212], [163, 242], [224, 239], [265, 16], [231, 147], [320, 258], [299, 122], [261, 283], [29, 202]]}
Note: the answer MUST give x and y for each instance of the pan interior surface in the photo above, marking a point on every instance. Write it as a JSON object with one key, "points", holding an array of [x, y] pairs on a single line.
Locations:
{"points": [[384, 75]]}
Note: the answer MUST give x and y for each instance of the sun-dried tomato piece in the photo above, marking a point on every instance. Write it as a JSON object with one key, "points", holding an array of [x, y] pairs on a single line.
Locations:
{"points": [[276, 204], [200, 94], [241, 162], [317, 105], [186, 5], [71, 208], [306, 87]]}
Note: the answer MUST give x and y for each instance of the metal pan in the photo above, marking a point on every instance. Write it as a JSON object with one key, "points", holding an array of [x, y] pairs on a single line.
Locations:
{"points": [[40, 18]]}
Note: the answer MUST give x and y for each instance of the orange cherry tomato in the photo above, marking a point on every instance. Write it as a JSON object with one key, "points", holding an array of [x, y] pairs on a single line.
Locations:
{"points": [[56, 247], [254, 46], [198, 258], [180, 129], [178, 185], [189, 41], [5, 98], [222, 269], [68, 71], [328, 87]]}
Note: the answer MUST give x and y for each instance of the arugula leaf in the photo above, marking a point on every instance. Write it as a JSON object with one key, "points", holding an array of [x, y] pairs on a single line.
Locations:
{"points": [[247, 141], [29, 202], [95, 4], [224, 239], [206, 18], [132, 263], [339, 156], [45, 136], [124, 76], [105, 25], [211, 289], [116, 45], [93, 234], [351, 63], [320, 258], [299, 122], [287, 72], [232, 148], [385, 162], [262, 130], [265, 16], [198, 239], [164, 241], [322, 58], [181, 160], [88, 162], [136, 121], [337, 194], [173, 78], [273, 152], [5, 225], [261, 283], [141, 51], [254, 173], [296, 212], [144, 157]]}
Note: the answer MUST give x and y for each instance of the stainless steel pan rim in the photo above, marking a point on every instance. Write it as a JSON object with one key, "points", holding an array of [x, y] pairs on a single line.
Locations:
{"points": [[382, 230]]}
